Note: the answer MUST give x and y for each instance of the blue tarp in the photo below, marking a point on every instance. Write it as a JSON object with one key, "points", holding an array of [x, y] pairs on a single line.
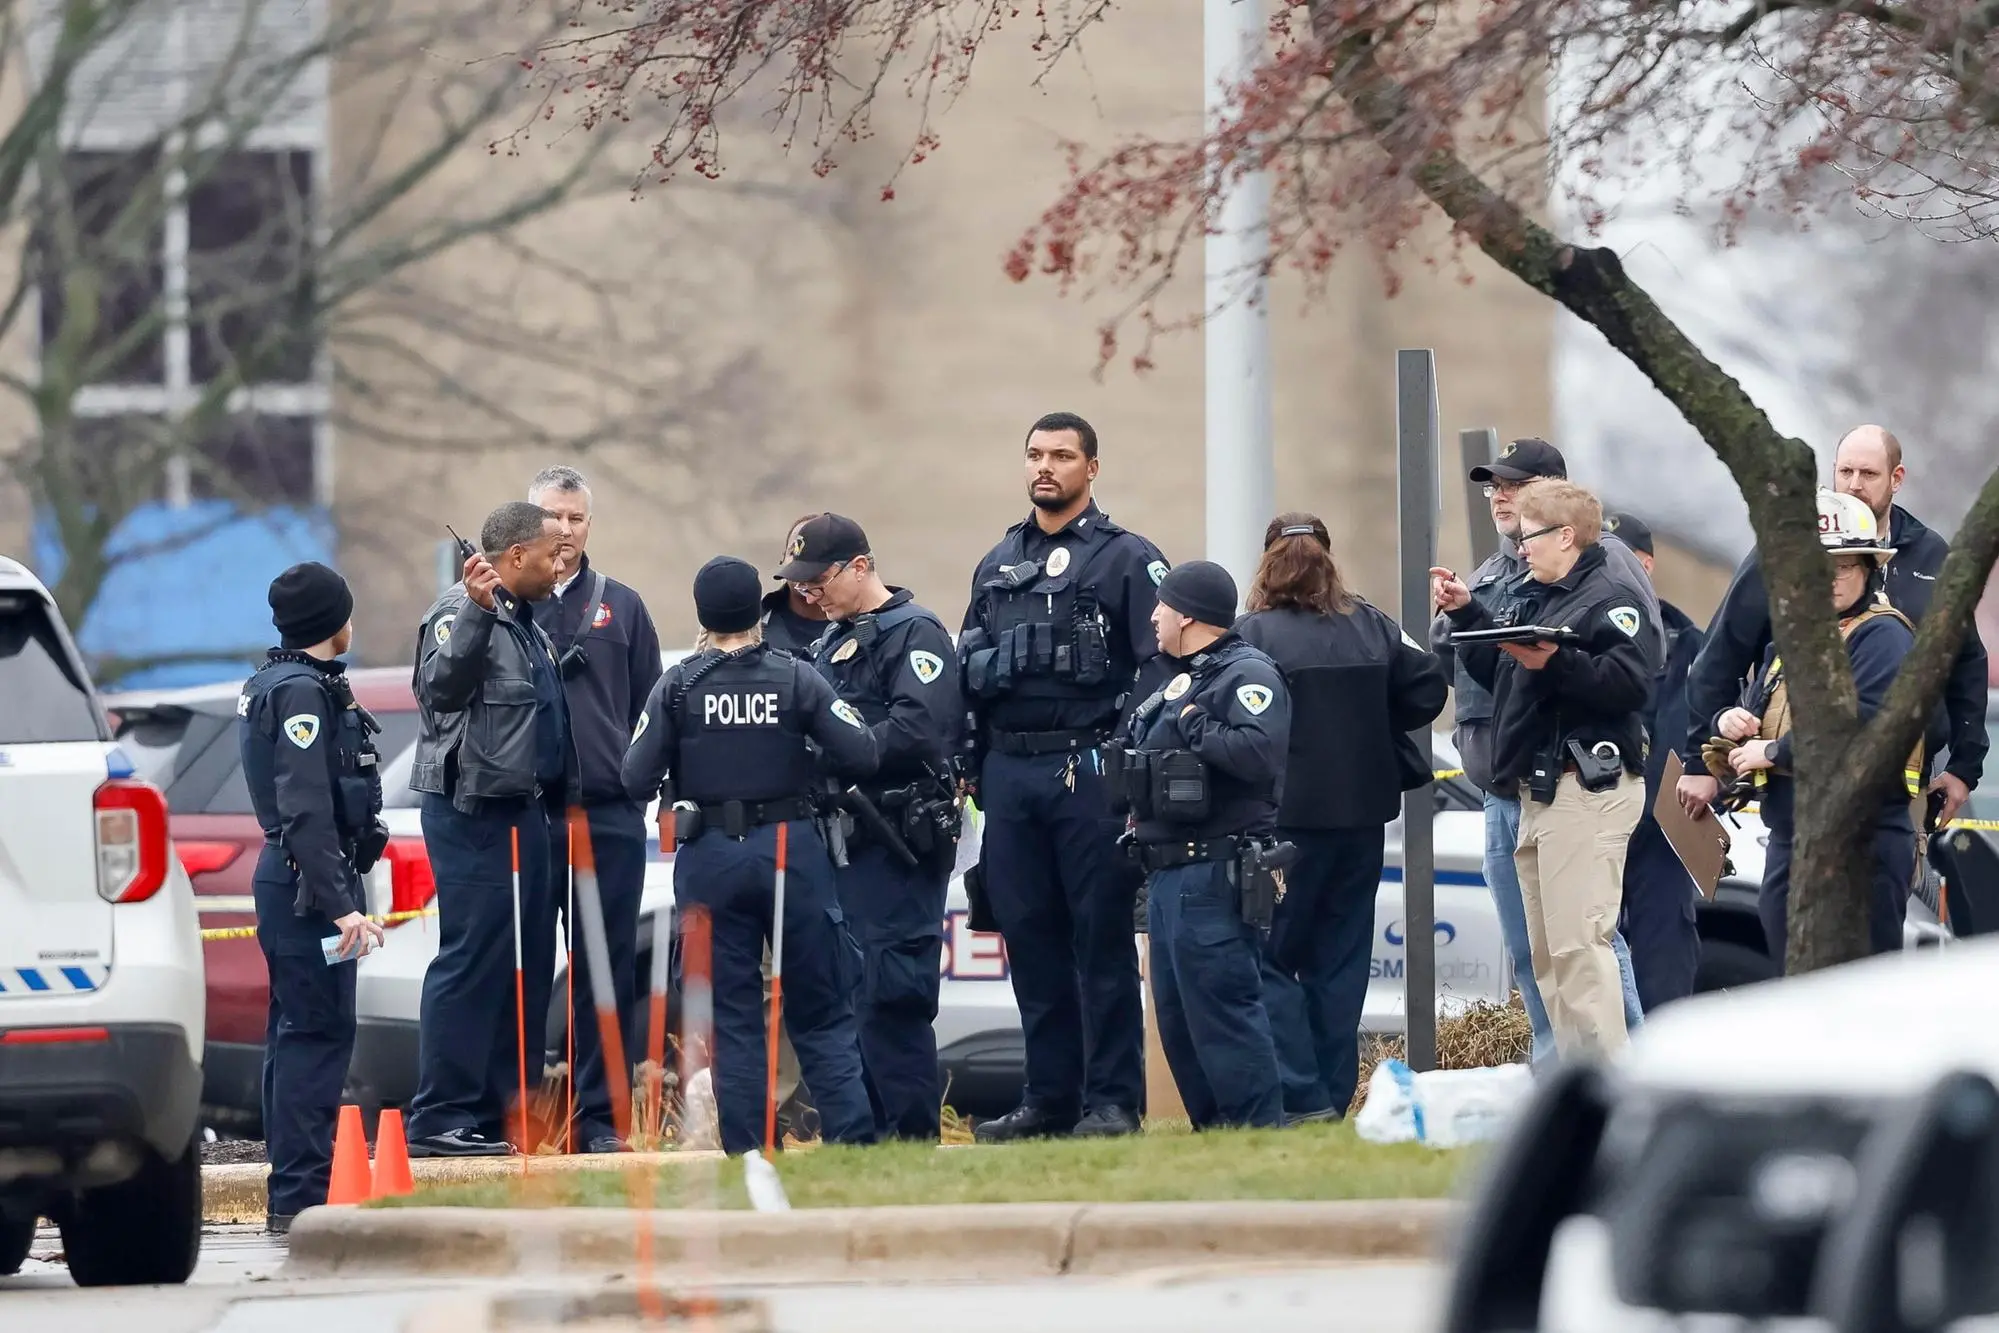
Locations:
{"points": [[194, 582]]}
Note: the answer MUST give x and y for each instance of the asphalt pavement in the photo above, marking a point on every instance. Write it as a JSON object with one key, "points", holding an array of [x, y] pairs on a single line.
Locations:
{"points": [[239, 1288]]}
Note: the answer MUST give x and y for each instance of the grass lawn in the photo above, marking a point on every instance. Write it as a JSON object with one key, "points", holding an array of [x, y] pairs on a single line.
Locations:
{"points": [[1165, 1163]]}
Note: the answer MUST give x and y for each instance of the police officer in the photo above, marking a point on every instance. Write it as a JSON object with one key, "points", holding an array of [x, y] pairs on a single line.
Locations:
{"points": [[888, 657], [495, 764], [1568, 733], [608, 654], [1755, 735], [1659, 895], [1059, 622], [1867, 466], [790, 619], [309, 761], [1358, 687], [744, 731], [1203, 778], [1521, 462]]}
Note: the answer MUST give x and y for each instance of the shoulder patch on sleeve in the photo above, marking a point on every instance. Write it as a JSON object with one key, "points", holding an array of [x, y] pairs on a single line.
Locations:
{"points": [[1254, 698], [845, 712], [302, 729], [1626, 619], [927, 666], [1156, 571], [243, 704], [1412, 642], [442, 629], [645, 720]]}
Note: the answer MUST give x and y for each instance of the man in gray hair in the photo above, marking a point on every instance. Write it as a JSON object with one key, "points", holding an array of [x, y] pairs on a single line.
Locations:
{"points": [[608, 654]]}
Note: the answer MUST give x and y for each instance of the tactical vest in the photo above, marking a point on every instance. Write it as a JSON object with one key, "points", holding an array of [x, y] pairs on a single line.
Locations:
{"points": [[1164, 785], [1049, 623], [1775, 723], [730, 722], [872, 705], [350, 753]]}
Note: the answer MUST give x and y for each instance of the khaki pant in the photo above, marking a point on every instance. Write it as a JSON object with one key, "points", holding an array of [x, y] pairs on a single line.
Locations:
{"points": [[1571, 862]]}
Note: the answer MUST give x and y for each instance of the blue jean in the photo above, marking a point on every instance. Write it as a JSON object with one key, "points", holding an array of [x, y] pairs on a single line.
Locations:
{"points": [[1502, 833]]}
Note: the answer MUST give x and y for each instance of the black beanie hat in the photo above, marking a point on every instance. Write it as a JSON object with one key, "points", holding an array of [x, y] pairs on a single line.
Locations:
{"points": [[309, 604], [728, 595], [1201, 589]]}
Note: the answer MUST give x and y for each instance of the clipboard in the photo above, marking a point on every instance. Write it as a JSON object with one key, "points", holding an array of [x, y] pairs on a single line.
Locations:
{"points": [[1516, 634], [1701, 844]]}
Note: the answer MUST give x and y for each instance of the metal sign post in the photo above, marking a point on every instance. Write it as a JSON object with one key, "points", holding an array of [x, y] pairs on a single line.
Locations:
{"points": [[1418, 501], [1479, 448]]}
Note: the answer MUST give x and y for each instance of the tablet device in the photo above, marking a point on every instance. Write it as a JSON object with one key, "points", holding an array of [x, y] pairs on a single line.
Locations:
{"points": [[1515, 634]]}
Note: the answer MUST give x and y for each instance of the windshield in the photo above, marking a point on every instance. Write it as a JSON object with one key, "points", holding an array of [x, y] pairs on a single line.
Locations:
{"points": [[46, 701]]}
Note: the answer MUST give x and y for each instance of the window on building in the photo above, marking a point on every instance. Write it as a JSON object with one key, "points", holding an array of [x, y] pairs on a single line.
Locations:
{"points": [[194, 252]]}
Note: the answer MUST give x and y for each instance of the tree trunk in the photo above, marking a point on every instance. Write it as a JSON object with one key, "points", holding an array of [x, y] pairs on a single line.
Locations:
{"points": [[1831, 866]]}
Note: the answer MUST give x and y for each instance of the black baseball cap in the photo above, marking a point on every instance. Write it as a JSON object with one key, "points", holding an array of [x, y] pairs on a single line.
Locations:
{"points": [[822, 543], [1630, 529], [1524, 460]]}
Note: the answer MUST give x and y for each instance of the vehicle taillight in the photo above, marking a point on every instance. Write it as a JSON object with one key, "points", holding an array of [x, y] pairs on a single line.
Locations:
{"points": [[131, 840], [202, 858], [411, 884]]}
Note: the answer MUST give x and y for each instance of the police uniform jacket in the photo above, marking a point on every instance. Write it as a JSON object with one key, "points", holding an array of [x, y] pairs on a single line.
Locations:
{"points": [[753, 724], [1058, 625], [1875, 651], [315, 783], [608, 685], [1228, 705], [1492, 585], [1358, 685], [1739, 637], [786, 629], [478, 734], [895, 666], [1591, 691]]}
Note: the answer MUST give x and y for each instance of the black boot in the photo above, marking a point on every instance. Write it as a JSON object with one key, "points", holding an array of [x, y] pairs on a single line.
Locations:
{"points": [[1025, 1122], [1107, 1122]]}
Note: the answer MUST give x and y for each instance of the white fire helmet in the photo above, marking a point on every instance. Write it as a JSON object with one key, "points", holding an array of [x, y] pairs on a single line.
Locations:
{"points": [[1847, 527]]}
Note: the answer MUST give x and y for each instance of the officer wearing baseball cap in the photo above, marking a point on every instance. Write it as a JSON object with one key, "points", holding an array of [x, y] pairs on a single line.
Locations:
{"points": [[1494, 586], [310, 764], [1202, 778], [735, 739], [887, 657]]}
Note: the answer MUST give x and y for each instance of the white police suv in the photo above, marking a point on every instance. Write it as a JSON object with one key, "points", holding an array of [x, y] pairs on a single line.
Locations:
{"points": [[101, 1001]]}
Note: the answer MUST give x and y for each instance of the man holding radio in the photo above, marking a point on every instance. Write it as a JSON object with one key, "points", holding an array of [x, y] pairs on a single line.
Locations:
{"points": [[608, 653], [1569, 739]]}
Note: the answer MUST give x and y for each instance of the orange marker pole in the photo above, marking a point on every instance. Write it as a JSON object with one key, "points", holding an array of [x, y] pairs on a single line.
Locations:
{"points": [[569, 1000], [520, 1009], [776, 999], [596, 948]]}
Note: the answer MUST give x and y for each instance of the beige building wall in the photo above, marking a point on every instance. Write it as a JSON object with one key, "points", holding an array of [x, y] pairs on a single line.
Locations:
{"points": [[885, 366]]}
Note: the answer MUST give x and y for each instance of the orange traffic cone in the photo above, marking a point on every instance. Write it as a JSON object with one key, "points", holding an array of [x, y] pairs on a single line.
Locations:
{"points": [[351, 1182], [392, 1158]]}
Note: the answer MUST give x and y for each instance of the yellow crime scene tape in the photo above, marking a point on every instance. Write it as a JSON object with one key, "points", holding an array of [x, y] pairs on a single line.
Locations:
{"points": [[250, 932]]}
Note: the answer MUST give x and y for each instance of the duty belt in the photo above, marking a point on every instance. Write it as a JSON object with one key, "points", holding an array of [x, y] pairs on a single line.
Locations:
{"points": [[736, 817], [1043, 742], [1166, 855]]}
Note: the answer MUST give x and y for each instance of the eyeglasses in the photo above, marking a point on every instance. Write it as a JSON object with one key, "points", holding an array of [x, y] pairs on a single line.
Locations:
{"points": [[1492, 488], [1526, 537], [817, 587]]}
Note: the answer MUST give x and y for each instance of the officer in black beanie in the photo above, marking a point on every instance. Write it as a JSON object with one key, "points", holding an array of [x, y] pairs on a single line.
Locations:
{"points": [[309, 760], [736, 739], [1201, 775]]}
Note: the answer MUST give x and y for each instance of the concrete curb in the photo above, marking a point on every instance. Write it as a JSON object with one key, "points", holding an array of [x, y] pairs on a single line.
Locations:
{"points": [[234, 1192], [965, 1241]]}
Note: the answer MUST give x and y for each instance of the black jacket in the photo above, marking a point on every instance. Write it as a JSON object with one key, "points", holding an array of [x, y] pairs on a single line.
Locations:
{"points": [[1597, 690], [1358, 685], [1739, 636], [902, 678], [786, 629], [607, 690], [1228, 705], [475, 695]]}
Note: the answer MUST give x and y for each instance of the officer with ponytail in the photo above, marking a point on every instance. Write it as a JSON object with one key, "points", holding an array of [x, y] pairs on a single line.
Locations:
{"points": [[736, 739], [1359, 686]]}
